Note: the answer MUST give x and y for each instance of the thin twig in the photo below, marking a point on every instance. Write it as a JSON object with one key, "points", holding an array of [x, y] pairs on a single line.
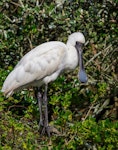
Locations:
{"points": [[93, 58], [16, 106], [21, 3], [106, 52], [31, 47], [9, 19], [83, 119], [96, 55], [15, 4]]}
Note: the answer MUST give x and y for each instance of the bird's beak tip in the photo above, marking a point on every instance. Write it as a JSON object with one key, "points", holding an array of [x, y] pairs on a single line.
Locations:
{"points": [[82, 77], [83, 81]]}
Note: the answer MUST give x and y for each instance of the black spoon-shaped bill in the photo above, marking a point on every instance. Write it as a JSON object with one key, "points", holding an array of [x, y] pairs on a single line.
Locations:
{"points": [[82, 74]]}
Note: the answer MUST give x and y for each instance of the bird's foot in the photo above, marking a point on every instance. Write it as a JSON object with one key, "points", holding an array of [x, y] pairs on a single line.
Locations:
{"points": [[48, 130], [45, 130]]}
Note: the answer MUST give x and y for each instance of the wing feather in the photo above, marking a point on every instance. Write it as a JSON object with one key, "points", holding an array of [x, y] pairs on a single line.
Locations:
{"points": [[40, 62]]}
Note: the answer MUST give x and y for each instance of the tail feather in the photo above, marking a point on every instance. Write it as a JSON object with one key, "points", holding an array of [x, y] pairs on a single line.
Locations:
{"points": [[7, 93], [9, 85], [16, 80]]}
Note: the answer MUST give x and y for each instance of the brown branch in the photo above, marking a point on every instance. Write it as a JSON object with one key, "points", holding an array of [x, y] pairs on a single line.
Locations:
{"points": [[16, 106]]}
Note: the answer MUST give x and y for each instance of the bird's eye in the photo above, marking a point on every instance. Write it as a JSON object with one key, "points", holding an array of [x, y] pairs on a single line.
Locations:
{"points": [[79, 44]]}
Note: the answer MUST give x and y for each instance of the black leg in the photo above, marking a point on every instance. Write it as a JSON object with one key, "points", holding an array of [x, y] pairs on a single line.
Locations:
{"points": [[40, 101], [45, 101], [43, 109]]}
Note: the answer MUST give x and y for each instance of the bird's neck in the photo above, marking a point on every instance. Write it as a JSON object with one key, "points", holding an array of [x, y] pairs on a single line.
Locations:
{"points": [[72, 57]]}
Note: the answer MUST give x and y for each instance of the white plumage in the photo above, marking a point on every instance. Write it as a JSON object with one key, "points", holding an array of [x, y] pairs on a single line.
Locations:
{"points": [[43, 64]]}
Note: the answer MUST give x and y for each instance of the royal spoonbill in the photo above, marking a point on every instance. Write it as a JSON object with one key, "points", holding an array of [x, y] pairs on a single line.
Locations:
{"points": [[43, 65]]}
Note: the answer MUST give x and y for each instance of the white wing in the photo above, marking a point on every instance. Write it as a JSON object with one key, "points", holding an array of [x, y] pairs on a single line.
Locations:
{"points": [[42, 61]]}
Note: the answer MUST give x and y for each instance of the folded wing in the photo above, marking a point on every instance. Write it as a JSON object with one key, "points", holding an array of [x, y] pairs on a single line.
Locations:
{"points": [[39, 63]]}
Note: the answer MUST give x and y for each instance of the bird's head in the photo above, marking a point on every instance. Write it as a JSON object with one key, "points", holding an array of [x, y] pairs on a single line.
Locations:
{"points": [[76, 37], [77, 40]]}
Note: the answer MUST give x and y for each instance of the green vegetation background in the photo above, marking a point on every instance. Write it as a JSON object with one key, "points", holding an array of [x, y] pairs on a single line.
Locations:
{"points": [[85, 116]]}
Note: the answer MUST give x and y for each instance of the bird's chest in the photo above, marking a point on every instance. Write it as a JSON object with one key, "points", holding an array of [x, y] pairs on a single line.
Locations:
{"points": [[72, 60]]}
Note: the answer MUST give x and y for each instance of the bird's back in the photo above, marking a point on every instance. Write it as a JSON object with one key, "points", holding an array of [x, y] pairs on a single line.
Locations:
{"points": [[42, 61]]}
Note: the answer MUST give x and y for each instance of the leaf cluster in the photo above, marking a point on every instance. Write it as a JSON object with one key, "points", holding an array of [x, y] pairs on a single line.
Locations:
{"points": [[79, 112]]}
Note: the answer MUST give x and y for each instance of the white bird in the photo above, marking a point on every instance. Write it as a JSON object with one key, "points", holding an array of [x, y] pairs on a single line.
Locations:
{"points": [[43, 65]]}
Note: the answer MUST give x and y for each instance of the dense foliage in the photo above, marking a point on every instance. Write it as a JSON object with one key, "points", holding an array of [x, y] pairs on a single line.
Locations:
{"points": [[85, 116]]}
